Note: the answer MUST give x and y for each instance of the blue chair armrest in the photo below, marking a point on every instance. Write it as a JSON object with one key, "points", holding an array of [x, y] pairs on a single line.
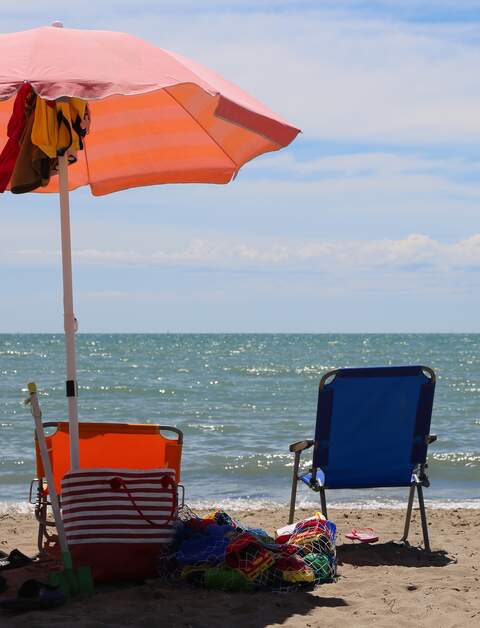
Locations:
{"points": [[306, 478], [301, 445]]}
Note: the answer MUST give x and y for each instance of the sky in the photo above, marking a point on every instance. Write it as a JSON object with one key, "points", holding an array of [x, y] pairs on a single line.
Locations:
{"points": [[368, 222]]}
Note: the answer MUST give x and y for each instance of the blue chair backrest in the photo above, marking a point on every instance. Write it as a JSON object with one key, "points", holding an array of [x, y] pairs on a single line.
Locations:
{"points": [[372, 425]]}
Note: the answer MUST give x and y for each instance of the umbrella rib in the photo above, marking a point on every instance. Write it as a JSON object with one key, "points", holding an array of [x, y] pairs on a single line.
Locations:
{"points": [[165, 89], [86, 163]]}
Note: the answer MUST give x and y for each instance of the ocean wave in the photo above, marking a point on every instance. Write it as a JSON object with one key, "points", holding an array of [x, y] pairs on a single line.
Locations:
{"points": [[243, 504], [256, 462], [465, 458], [15, 508], [254, 505], [207, 427]]}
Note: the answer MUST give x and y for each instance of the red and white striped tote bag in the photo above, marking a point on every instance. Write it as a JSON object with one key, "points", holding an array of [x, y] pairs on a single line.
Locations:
{"points": [[119, 521]]}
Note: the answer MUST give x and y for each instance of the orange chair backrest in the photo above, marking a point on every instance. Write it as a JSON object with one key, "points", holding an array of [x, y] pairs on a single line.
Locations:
{"points": [[113, 445]]}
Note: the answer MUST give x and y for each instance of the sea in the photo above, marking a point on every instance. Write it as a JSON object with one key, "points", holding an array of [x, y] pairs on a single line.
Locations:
{"points": [[240, 400]]}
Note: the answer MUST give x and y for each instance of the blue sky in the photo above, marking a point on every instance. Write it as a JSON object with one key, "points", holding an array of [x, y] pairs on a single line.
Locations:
{"points": [[370, 221]]}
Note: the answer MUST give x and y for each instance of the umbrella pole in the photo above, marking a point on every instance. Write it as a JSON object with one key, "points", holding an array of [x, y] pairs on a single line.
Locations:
{"points": [[69, 318]]}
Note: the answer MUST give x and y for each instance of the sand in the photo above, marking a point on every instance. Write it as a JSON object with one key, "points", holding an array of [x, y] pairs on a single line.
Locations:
{"points": [[380, 585]]}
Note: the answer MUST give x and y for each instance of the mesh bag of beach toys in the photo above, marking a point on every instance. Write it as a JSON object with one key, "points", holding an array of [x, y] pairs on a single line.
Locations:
{"points": [[218, 552]]}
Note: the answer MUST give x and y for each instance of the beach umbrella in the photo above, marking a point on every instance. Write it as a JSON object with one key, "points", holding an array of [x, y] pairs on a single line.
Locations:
{"points": [[156, 117]]}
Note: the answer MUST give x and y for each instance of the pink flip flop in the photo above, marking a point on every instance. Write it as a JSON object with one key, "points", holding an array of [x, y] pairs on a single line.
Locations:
{"points": [[364, 535]]}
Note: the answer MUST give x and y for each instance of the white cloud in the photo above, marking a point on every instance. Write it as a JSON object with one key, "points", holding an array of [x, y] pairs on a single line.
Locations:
{"points": [[341, 76], [369, 196], [366, 164], [416, 252]]}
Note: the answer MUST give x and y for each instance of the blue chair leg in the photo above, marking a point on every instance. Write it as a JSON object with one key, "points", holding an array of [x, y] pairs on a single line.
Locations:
{"points": [[423, 516], [323, 501], [293, 495], [409, 514]]}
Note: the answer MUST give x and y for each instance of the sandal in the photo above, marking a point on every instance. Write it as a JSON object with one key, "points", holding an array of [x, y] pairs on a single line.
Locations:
{"points": [[364, 535], [14, 559], [34, 595]]}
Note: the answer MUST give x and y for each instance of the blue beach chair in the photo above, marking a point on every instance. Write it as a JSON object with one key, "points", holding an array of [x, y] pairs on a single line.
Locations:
{"points": [[372, 430]]}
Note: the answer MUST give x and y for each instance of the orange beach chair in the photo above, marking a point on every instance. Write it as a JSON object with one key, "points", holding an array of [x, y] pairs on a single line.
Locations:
{"points": [[103, 445]]}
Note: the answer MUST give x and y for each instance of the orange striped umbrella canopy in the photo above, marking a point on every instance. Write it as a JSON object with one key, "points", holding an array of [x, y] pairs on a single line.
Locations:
{"points": [[181, 122], [156, 117]]}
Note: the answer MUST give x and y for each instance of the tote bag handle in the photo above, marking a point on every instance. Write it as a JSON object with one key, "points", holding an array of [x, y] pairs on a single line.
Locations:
{"points": [[118, 483]]}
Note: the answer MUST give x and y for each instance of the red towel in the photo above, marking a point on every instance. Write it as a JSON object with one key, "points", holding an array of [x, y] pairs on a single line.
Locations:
{"points": [[15, 127]]}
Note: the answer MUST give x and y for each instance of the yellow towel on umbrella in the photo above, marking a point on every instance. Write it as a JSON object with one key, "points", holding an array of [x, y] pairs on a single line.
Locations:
{"points": [[57, 126]]}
